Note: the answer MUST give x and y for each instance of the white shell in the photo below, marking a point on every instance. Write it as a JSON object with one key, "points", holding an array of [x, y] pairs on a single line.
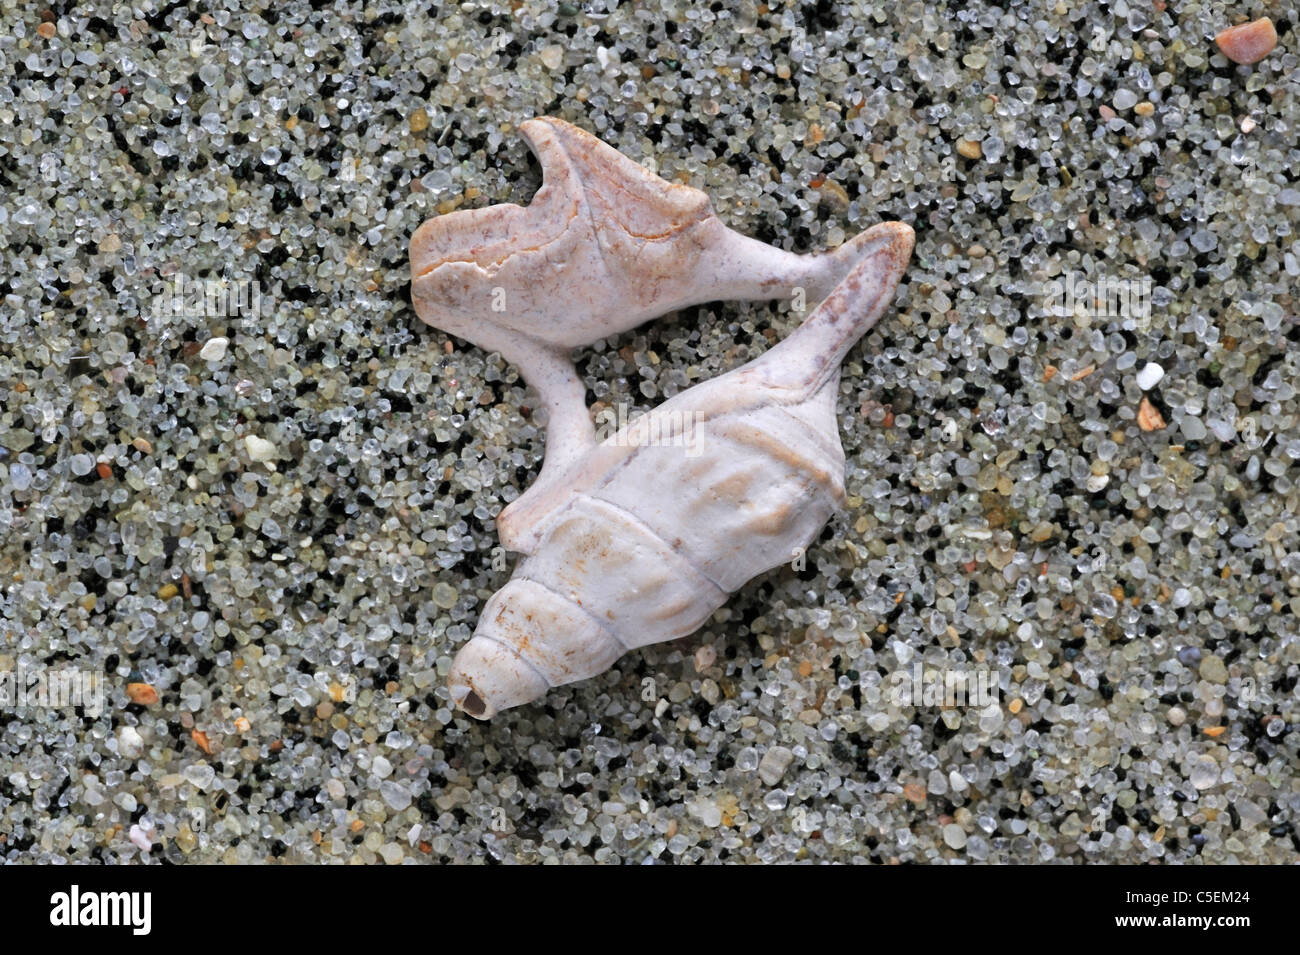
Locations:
{"points": [[646, 534], [604, 246]]}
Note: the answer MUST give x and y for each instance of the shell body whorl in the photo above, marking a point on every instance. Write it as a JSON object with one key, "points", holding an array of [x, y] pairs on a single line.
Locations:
{"points": [[648, 550]]}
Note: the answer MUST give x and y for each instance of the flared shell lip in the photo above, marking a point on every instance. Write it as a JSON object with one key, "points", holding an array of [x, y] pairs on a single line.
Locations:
{"points": [[431, 230]]}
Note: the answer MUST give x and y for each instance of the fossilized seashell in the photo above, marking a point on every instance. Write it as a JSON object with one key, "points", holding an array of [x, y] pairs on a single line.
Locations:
{"points": [[604, 246], [648, 532]]}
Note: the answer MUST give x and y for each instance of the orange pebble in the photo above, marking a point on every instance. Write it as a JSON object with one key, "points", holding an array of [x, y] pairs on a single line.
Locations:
{"points": [[141, 693], [1149, 418], [1249, 42]]}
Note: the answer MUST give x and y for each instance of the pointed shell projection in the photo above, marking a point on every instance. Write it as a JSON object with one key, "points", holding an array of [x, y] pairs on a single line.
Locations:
{"points": [[648, 533], [604, 246]]}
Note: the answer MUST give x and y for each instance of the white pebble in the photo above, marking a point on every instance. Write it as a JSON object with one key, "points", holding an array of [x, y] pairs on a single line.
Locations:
{"points": [[140, 838], [129, 742], [259, 449], [1203, 771], [20, 476], [954, 835], [552, 56], [1150, 376], [199, 775], [395, 794], [1125, 99], [708, 812], [1223, 429], [774, 764], [1193, 428], [214, 349], [1251, 814]]}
